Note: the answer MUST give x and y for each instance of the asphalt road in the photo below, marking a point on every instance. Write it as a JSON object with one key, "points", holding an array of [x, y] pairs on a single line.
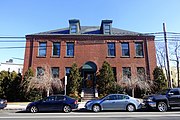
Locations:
{"points": [[86, 115]]}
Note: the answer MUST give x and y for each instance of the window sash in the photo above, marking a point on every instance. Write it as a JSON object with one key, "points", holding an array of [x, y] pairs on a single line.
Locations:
{"points": [[139, 49], [40, 71], [56, 49], [70, 49], [67, 70], [140, 71], [125, 49], [73, 28], [107, 29], [42, 49], [55, 72], [111, 49], [127, 72]]}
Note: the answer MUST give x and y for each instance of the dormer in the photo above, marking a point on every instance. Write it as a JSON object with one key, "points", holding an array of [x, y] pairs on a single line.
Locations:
{"points": [[106, 27], [74, 26]]}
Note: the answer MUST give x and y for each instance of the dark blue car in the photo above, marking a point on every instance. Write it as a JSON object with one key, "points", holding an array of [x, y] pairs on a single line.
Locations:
{"points": [[53, 103]]}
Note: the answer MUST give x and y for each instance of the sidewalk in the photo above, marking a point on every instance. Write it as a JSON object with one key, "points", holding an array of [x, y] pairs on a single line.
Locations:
{"points": [[22, 105]]}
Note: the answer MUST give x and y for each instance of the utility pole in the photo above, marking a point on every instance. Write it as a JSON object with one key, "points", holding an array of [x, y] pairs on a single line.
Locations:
{"points": [[167, 58]]}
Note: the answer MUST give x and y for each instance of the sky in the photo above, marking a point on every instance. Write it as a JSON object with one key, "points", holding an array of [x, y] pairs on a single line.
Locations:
{"points": [[22, 17]]}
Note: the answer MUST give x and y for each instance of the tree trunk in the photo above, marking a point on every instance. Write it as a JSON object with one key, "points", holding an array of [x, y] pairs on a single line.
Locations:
{"points": [[132, 92]]}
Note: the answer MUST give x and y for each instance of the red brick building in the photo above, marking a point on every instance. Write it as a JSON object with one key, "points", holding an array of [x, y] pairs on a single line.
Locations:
{"points": [[89, 47]]}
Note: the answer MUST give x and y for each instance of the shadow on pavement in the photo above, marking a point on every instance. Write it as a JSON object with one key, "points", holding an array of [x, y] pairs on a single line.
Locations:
{"points": [[88, 111]]}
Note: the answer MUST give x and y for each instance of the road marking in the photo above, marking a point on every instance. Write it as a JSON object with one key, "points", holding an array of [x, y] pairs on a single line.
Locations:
{"points": [[91, 116]]}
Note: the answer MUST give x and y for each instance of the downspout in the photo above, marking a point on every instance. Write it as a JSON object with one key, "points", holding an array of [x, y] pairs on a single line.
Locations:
{"points": [[31, 52], [147, 60]]}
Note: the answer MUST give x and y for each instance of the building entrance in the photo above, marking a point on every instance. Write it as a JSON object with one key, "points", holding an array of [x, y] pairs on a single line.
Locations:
{"points": [[89, 75], [88, 80]]}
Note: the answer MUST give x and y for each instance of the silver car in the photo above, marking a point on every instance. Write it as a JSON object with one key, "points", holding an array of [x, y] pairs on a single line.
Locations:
{"points": [[114, 102]]}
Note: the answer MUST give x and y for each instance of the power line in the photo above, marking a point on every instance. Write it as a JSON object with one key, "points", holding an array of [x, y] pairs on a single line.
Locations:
{"points": [[12, 41], [13, 37]]}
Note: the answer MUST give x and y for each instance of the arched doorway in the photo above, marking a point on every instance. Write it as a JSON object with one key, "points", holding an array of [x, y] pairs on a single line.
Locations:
{"points": [[89, 74]]}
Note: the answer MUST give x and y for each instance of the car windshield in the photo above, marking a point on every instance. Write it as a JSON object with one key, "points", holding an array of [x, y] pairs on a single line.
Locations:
{"points": [[103, 97]]}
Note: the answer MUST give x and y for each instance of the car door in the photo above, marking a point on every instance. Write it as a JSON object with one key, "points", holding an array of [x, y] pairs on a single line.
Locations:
{"points": [[121, 102], [109, 103], [174, 97], [47, 104], [59, 102]]}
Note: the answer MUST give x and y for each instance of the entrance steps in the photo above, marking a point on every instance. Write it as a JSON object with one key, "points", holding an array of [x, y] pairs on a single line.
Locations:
{"points": [[88, 94]]}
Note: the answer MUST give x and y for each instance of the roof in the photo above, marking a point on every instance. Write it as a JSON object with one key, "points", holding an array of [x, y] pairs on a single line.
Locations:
{"points": [[90, 30]]}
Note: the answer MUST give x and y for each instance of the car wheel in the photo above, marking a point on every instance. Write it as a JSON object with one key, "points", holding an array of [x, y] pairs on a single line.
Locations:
{"points": [[34, 109], [130, 108], [162, 106], [67, 109], [96, 108]]}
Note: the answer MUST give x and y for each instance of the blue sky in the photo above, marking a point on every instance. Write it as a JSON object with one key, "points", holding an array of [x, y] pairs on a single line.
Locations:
{"points": [[22, 17]]}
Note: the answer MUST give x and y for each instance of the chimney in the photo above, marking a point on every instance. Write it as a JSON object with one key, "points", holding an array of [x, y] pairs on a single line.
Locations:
{"points": [[74, 26], [106, 27]]}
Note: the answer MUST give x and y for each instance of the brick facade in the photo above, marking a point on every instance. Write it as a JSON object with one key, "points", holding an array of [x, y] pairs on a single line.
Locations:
{"points": [[86, 48]]}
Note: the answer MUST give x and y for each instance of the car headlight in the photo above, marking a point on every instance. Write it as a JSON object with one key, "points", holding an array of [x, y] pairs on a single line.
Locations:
{"points": [[150, 99]]}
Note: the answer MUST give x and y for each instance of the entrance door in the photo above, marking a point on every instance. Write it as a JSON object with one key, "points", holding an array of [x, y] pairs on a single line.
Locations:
{"points": [[88, 80], [89, 74]]}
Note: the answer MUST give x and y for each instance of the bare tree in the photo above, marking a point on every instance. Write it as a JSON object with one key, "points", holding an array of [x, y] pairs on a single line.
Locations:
{"points": [[161, 56], [45, 82], [134, 82], [175, 57]]}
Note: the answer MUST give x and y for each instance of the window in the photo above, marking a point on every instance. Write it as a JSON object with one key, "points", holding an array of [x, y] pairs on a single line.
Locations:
{"points": [[60, 98], [73, 28], [107, 29], [56, 49], [55, 72], [139, 49], [112, 97], [111, 49], [50, 98], [125, 49], [40, 71], [127, 72], [140, 71], [121, 97], [42, 49], [67, 71], [69, 49]]}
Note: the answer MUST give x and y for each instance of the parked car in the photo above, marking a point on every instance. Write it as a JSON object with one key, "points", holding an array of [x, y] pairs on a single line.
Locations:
{"points": [[53, 103], [3, 103], [114, 102], [162, 102]]}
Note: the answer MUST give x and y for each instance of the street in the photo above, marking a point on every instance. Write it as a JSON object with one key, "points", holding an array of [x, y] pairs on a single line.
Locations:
{"points": [[81, 115]]}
